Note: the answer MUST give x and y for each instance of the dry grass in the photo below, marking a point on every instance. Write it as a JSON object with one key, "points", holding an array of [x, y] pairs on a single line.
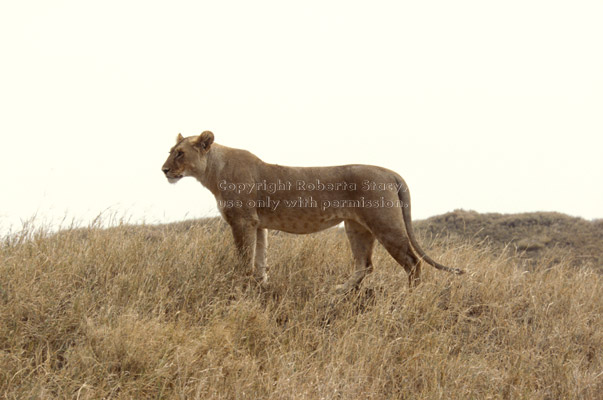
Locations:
{"points": [[160, 312]]}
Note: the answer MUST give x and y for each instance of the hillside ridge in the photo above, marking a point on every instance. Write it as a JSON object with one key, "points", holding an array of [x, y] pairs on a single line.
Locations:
{"points": [[531, 234]]}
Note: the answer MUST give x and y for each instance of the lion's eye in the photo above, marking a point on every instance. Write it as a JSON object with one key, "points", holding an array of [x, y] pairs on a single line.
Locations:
{"points": [[179, 154]]}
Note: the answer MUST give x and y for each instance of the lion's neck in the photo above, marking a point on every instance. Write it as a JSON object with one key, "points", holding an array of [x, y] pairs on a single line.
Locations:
{"points": [[213, 166], [216, 167], [217, 158]]}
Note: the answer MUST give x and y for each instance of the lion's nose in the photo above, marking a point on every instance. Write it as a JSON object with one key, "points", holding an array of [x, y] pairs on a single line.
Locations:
{"points": [[165, 170]]}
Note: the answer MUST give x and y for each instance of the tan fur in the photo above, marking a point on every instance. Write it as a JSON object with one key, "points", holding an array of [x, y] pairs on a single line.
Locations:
{"points": [[253, 196]]}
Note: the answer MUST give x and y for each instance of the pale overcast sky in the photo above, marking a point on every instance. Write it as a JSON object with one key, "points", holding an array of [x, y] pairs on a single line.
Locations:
{"points": [[482, 105]]}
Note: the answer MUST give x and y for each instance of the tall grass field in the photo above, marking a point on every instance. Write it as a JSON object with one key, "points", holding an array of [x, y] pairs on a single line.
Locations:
{"points": [[162, 312]]}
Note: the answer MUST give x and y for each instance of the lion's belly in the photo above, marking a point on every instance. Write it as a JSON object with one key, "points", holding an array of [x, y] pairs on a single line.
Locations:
{"points": [[298, 220]]}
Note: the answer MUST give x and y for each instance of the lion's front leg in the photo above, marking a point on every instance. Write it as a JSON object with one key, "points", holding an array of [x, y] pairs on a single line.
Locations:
{"points": [[260, 256], [245, 238]]}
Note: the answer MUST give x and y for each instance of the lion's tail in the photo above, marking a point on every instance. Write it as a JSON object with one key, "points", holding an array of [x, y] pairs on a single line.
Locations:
{"points": [[404, 196]]}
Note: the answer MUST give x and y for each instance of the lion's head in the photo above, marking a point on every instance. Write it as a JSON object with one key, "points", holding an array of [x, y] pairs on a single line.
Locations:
{"points": [[187, 157]]}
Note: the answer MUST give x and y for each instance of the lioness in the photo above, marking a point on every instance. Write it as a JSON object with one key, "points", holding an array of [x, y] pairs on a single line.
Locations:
{"points": [[254, 196]]}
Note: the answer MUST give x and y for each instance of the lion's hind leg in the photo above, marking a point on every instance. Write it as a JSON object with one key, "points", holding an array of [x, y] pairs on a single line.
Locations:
{"points": [[397, 244], [362, 242]]}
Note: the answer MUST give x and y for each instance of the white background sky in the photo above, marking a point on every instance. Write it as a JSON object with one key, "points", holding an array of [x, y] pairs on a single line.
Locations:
{"points": [[483, 105]]}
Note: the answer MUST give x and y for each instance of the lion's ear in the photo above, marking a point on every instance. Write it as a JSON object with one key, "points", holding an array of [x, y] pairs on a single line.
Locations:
{"points": [[179, 138], [204, 140]]}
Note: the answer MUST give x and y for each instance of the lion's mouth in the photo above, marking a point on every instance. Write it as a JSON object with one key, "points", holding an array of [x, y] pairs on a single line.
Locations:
{"points": [[174, 179]]}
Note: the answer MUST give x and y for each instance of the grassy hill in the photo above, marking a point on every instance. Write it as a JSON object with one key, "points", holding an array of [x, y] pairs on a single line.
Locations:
{"points": [[532, 236], [162, 312]]}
